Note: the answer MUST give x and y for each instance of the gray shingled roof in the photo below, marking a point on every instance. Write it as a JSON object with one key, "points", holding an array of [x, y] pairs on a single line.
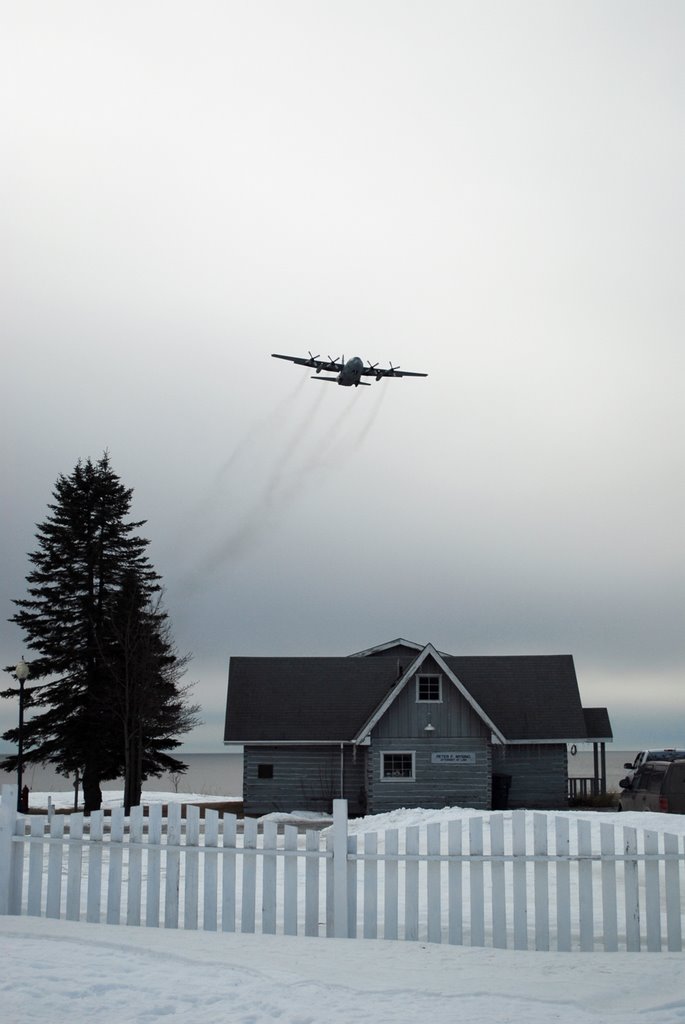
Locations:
{"points": [[531, 698], [528, 696], [598, 724], [304, 698]]}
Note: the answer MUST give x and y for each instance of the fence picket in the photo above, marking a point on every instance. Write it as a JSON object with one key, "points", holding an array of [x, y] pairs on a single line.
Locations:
{"points": [[585, 902], [476, 878], [609, 907], [290, 880], [541, 881], [116, 856], [35, 886], [192, 865], [520, 884], [562, 846], [311, 884], [433, 870], [631, 891], [370, 885], [8, 818], [211, 868], [455, 923], [55, 855], [135, 866], [247, 910], [228, 874], [269, 840], [652, 897], [352, 887], [499, 906], [154, 867], [94, 867], [173, 866], [411, 883], [340, 868], [391, 885], [672, 886], [78, 849], [74, 867], [16, 861]]}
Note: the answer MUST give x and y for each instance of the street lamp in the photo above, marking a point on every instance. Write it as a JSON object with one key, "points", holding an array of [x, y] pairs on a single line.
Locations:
{"points": [[21, 672]]}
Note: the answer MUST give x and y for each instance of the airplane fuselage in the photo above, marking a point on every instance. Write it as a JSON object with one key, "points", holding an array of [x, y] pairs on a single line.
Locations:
{"points": [[351, 372]]}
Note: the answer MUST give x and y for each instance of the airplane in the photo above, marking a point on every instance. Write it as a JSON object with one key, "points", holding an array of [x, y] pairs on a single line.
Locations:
{"points": [[350, 372]]}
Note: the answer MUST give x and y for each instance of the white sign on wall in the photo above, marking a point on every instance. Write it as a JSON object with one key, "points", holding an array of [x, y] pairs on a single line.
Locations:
{"points": [[454, 757]]}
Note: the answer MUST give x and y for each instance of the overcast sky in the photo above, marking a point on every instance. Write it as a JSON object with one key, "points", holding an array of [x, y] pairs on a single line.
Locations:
{"points": [[490, 192]]}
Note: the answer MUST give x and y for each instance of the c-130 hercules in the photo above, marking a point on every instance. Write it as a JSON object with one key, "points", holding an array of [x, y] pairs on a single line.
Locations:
{"points": [[348, 373]]}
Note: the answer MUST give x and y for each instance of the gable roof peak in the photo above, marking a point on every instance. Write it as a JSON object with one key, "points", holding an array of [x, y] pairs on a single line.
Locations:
{"points": [[389, 645]]}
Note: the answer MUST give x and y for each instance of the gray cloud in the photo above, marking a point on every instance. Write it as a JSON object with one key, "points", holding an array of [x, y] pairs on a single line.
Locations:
{"points": [[492, 196]]}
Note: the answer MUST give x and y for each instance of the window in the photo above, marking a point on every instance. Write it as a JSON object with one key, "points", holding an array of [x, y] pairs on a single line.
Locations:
{"points": [[397, 765], [265, 771], [429, 688]]}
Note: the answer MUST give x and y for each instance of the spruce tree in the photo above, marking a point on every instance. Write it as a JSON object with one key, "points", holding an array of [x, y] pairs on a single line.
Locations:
{"points": [[145, 699], [87, 557]]}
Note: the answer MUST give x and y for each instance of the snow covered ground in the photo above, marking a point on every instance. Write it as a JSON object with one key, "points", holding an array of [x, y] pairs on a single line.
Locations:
{"points": [[76, 972]]}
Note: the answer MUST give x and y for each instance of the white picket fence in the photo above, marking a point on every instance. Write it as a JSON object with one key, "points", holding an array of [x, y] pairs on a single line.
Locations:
{"points": [[507, 879]]}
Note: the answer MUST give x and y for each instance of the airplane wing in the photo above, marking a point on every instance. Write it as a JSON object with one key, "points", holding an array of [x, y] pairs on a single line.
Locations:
{"points": [[331, 365], [392, 371]]}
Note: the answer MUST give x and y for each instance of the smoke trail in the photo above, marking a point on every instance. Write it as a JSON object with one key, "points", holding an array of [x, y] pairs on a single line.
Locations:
{"points": [[295, 477], [261, 425], [204, 504], [286, 481], [259, 514], [375, 412], [291, 447]]}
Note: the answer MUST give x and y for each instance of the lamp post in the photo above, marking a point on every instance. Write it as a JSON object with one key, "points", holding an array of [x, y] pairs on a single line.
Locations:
{"points": [[21, 672]]}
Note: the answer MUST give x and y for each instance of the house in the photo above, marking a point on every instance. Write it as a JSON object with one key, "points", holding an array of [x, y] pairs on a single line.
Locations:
{"points": [[406, 725]]}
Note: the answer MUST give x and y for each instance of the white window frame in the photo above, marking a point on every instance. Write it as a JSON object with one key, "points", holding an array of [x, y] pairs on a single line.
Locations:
{"points": [[398, 778], [428, 675]]}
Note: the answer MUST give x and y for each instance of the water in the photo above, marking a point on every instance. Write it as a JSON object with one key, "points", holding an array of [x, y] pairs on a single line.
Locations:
{"points": [[582, 765], [209, 774]]}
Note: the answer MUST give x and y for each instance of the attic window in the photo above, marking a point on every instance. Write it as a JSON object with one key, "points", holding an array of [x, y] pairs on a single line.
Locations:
{"points": [[429, 689], [265, 771]]}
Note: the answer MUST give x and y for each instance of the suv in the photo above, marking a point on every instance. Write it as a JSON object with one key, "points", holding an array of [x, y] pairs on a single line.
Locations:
{"points": [[667, 754], [656, 786]]}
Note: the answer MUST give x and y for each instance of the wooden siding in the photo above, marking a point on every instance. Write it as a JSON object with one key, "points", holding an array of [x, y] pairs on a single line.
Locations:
{"points": [[434, 785], [538, 772], [453, 716], [304, 778]]}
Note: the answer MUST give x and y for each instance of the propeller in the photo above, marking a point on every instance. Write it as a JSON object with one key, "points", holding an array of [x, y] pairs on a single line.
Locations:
{"points": [[393, 368], [312, 359]]}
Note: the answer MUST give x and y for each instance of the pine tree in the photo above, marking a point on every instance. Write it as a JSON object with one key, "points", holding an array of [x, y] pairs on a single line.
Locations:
{"points": [[87, 557], [145, 698]]}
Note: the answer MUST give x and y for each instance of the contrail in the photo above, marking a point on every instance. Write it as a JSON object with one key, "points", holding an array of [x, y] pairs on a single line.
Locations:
{"points": [[361, 437], [208, 499], [284, 482], [258, 427], [256, 518], [291, 447]]}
